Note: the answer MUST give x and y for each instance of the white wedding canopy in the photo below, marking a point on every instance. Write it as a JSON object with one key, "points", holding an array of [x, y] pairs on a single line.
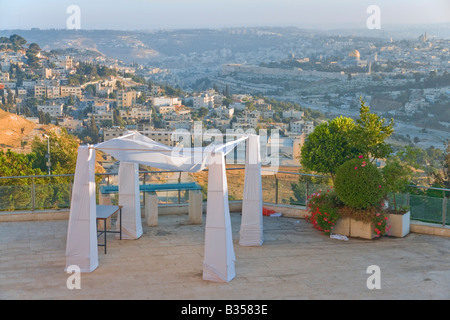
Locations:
{"points": [[133, 149]]}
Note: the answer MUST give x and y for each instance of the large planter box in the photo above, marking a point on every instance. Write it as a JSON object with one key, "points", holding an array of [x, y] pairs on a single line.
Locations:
{"points": [[400, 224], [354, 228]]}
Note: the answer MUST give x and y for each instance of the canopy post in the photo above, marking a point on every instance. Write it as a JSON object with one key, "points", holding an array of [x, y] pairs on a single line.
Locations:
{"points": [[81, 245], [129, 198], [251, 233], [219, 258]]}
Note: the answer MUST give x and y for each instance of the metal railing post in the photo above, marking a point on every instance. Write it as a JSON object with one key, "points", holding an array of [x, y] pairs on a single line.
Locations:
{"points": [[33, 195], [444, 209], [276, 189], [179, 191], [307, 191]]}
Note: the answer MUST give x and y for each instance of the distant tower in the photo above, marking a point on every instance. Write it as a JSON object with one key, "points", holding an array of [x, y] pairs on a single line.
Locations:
{"points": [[370, 67], [423, 37]]}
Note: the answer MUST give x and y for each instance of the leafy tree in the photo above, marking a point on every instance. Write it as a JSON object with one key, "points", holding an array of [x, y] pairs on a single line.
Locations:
{"points": [[446, 164], [63, 152], [117, 119], [16, 164], [17, 42], [51, 192], [91, 131], [16, 193], [371, 133], [329, 146], [34, 47], [333, 143], [359, 184], [396, 175], [442, 179]]}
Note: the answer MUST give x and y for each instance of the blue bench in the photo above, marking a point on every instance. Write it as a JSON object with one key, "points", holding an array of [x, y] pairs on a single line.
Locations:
{"points": [[151, 199], [156, 187]]}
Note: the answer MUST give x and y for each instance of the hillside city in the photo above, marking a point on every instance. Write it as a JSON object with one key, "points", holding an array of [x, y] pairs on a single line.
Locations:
{"points": [[281, 79]]}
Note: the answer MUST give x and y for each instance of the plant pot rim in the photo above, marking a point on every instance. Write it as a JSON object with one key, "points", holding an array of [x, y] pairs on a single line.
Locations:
{"points": [[398, 213]]}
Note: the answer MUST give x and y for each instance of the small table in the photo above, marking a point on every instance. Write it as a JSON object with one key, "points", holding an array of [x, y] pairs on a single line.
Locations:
{"points": [[103, 213]]}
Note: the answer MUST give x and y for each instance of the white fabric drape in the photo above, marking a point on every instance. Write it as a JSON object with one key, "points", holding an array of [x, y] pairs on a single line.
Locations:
{"points": [[81, 246], [251, 233], [219, 258], [137, 148], [133, 149], [129, 198]]}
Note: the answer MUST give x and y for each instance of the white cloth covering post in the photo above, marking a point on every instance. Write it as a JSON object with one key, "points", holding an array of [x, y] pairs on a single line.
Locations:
{"points": [[219, 259], [81, 246], [129, 198], [251, 233]]}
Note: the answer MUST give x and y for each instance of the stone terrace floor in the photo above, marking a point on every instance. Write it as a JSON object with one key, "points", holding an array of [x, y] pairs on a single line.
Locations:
{"points": [[295, 262]]}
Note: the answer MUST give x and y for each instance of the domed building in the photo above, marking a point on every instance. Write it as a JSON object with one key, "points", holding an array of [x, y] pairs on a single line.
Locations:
{"points": [[354, 54], [353, 60]]}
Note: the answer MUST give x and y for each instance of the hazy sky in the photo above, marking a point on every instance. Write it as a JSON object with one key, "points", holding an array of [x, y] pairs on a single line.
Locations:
{"points": [[174, 14]]}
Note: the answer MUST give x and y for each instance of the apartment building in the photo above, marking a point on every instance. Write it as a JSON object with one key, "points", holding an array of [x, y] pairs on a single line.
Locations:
{"points": [[53, 110], [4, 76], [67, 91], [165, 101], [301, 126], [137, 114], [126, 99], [209, 99], [102, 116], [158, 136], [293, 114]]}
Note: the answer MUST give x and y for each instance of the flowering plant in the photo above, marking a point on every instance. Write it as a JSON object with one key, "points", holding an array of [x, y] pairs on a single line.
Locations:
{"points": [[358, 194], [323, 211]]}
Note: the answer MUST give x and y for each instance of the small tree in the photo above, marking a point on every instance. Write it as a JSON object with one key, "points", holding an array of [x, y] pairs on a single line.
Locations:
{"points": [[359, 184], [341, 139], [371, 133], [329, 146], [396, 175]]}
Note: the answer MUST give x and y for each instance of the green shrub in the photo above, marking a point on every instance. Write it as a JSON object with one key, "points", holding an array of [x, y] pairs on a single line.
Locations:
{"points": [[359, 184]]}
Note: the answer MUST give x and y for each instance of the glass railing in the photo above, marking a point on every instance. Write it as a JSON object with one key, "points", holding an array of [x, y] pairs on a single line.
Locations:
{"points": [[34, 193]]}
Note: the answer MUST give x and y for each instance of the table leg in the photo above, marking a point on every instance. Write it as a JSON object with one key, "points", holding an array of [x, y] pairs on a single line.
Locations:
{"points": [[120, 218], [104, 228]]}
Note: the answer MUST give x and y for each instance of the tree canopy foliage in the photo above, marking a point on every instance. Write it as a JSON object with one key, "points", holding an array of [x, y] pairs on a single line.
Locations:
{"points": [[63, 153], [333, 143]]}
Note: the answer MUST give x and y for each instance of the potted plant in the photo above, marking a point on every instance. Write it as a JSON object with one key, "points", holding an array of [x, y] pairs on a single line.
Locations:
{"points": [[323, 208], [359, 186], [396, 175], [345, 150]]}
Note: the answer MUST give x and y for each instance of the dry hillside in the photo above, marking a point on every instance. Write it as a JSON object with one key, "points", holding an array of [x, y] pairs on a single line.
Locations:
{"points": [[14, 129]]}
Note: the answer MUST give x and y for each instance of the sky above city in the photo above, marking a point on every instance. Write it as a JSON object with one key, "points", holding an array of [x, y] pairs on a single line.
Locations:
{"points": [[183, 14]]}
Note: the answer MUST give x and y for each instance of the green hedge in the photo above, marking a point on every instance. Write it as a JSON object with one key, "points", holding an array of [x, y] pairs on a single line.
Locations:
{"points": [[359, 184]]}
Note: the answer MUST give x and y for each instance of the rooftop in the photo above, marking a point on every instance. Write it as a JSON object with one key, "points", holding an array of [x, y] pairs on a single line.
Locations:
{"points": [[295, 262]]}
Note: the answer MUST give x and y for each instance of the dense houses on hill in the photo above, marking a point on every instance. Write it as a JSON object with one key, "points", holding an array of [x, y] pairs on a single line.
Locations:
{"points": [[119, 102]]}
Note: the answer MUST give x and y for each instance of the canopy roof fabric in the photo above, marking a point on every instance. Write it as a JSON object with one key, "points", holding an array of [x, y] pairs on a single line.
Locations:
{"points": [[133, 149], [137, 148]]}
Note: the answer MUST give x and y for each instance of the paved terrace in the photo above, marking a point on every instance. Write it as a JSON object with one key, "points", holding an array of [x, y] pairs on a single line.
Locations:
{"points": [[295, 262]]}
